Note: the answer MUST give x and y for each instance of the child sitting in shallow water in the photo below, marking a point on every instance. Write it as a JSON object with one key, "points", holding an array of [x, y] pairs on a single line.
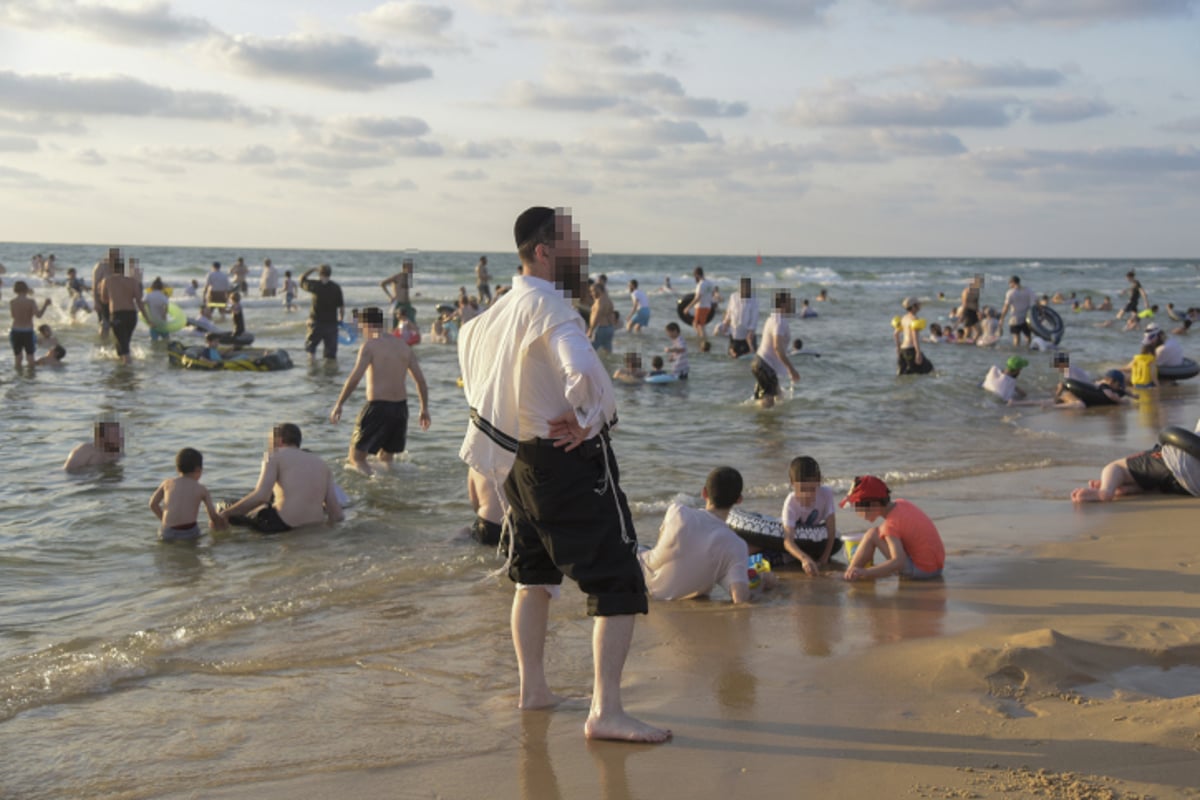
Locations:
{"points": [[809, 517], [176, 502]]}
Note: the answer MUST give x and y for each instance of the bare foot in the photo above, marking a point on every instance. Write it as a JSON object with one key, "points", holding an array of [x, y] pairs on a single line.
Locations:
{"points": [[623, 728], [1088, 495], [1094, 483], [540, 699], [359, 466]]}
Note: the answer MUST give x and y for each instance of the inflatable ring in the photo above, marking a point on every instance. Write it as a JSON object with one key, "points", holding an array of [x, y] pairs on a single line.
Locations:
{"points": [[236, 339], [1179, 372], [1046, 323], [347, 334], [664, 378], [685, 301], [176, 320], [766, 533], [1181, 438], [1146, 313], [1089, 393]]}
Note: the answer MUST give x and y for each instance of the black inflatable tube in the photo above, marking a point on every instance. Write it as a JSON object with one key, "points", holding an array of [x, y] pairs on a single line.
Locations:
{"points": [[1089, 393], [1046, 323], [686, 301], [1180, 372], [1182, 438]]}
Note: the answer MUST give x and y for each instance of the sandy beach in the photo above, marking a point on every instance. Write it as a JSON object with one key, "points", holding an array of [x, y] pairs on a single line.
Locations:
{"points": [[1069, 670]]}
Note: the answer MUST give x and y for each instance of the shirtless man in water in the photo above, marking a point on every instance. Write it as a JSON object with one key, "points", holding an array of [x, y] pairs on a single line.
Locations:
{"points": [[383, 422], [106, 447], [294, 488], [122, 294]]}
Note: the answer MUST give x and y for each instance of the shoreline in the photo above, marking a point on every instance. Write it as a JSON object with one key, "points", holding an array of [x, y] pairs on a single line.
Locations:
{"points": [[1031, 676]]}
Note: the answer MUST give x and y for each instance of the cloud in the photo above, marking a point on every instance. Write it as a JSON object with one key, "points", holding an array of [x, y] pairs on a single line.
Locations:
{"points": [[399, 185], [188, 155], [329, 62], [918, 143], [1069, 169], [958, 74], [41, 123], [255, 154], [466, 175], [623, 54], [670, 131], [1067, 109], [118, 95], [23, 181], [415, 19], [525, 94], [382, 127], [149, 24], [90, 157], [919, 109], [17, 144], [1188, 125], [756, 13], [1048, 12]]}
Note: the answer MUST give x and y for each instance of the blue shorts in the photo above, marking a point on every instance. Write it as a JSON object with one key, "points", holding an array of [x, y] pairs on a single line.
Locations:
{"points": [[640, 317], [913, 573], [602, 336]]}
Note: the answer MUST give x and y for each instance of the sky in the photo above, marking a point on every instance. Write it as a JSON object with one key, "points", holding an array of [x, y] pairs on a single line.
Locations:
{"points": [[1001, 128]]}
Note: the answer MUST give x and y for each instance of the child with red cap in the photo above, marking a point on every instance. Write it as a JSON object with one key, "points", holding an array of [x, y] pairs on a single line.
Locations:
{"points": [[906, 536]]}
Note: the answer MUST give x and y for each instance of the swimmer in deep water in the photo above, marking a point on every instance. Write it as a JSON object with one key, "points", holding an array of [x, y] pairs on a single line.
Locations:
{"points": [[106, 447]]}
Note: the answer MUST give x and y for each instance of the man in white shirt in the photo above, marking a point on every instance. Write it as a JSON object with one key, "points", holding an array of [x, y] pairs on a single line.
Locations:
{"points": [[541, 404], [216, 288], [696, 550], [268, 284], [741, 316], [771, 358], [1019, 300]]}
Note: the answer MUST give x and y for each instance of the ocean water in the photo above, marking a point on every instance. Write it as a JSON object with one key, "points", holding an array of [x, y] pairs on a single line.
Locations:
{"points": [[129, 668]]}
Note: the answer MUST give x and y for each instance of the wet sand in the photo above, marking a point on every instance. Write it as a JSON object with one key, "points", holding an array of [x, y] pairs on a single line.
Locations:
{"points": [[1069, 671]]}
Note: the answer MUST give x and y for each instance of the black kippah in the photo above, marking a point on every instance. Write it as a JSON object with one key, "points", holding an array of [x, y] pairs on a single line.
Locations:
{"points": [[529, 222]]}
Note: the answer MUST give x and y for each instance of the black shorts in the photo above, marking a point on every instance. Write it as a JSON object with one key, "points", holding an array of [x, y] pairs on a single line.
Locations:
{"points": [[1131, 306], [382, 425], [486, 532], [1150, 473], [266, 520], [906, 362], [969, 318], [768, 381], [739, 347], [324, 334], [1019, 328], [814, 549], [123, 323], [22, 342], [568, 512], [102, 312]]}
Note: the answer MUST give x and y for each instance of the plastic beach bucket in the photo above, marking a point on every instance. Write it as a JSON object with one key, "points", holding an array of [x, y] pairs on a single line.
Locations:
{"points": [[850, 543]]}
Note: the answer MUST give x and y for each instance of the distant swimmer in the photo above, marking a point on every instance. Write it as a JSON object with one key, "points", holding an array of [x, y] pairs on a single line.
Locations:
{"points": [[295, 488], [909, 359], [382, 425], [107, 446], [741, 318], [328, 311], [968, 312], [1019, 299], [122, 295], [771, 358], [24, 309], [639, 314], [483, 281], [1136, 293], [176, 502], [397, 289], [702, 304], [268, 282]]}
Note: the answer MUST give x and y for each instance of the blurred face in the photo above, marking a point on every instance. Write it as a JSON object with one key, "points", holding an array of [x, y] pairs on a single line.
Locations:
{"points": [[806, 490], [869, 513], [568, 256]]}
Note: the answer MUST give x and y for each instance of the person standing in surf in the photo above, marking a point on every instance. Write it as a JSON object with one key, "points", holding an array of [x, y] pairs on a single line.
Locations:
{"points": [[541, 406]]}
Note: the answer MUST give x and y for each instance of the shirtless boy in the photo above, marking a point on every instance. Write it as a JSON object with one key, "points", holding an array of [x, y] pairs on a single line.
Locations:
{"points": [[382, 425], [397, 288], [295, 487], [106, 447], [176, 502], [24, 308]]}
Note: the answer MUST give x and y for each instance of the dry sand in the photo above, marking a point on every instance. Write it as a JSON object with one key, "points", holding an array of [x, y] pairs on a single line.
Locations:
{"points": [[1070, 673]]}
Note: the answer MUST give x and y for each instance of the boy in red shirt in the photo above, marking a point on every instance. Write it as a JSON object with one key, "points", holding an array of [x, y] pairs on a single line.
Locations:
{"points": [[906, 536]]}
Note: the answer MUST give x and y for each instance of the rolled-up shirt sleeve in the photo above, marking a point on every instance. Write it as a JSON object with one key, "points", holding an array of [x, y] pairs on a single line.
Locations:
{"points": [[587, 386]]}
